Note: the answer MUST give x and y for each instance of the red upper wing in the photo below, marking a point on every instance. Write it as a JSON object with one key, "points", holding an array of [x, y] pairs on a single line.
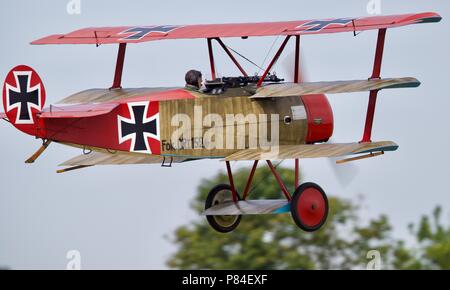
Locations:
{"points": [[135, 34]]}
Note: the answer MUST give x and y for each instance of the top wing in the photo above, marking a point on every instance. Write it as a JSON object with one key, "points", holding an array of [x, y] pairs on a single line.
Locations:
{"points": [[333, 87], [312, 151], [136, 34]]}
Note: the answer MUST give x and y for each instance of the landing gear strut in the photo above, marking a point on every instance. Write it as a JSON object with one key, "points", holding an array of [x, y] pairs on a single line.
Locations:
{"points": [[308, 205]]}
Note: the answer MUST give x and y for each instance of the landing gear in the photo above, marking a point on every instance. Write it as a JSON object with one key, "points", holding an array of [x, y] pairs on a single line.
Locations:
{"points": [[218, 195], [309, 207]]}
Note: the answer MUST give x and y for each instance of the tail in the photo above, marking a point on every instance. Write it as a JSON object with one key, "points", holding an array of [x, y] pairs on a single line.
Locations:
{"points": [[23, 99]]}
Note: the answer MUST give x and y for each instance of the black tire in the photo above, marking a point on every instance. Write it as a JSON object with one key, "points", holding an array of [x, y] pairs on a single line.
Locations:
{"points": [[309, 207], [221, 223]]}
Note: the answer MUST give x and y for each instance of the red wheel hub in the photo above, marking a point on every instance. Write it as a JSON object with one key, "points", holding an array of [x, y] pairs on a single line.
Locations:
{"points": [[311, 207]]}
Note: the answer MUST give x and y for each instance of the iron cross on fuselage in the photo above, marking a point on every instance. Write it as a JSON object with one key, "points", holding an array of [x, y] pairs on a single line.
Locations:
{"points": [[138, 128]]}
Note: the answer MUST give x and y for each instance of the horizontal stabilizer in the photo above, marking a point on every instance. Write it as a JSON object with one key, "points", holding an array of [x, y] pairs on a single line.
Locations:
{"points": [[245, 207], [312, 151], [78, 111], [332, 87], [101, 158]]}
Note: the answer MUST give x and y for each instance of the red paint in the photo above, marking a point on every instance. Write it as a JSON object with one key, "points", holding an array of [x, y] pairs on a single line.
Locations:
{"points": [[211, 59], [249, 180], [297, 59], [318, 108], [373, 94], [274, 60], [119, 66], [379, 54], [34, 125], [105, 35], [78, 111], [311, 207], [176, 94], [100, 129], [231, 56], [230, 178], [279, 181], [297, 173]]}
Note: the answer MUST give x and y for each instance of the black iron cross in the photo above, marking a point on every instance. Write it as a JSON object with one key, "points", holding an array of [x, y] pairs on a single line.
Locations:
{"points": [[136, 128], [140, 32], [24, 97], [318, 25]]}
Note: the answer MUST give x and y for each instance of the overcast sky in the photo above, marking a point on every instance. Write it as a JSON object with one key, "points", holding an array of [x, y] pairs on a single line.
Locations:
{"points": [[117, 217]]}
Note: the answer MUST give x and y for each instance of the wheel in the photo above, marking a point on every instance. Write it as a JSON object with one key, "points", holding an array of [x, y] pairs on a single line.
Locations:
{"points": [[309, 207], [221, 223]]}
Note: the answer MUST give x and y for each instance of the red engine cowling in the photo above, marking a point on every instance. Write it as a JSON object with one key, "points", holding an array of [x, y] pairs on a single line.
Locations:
{"points": [[320, 118]]}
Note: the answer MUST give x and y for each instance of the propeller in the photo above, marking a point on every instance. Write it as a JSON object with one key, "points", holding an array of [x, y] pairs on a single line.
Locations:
{"points": [[344, 173]]}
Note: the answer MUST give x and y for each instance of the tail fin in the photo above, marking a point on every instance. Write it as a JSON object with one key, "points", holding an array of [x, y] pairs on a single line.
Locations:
{"points": [[23, 98]]}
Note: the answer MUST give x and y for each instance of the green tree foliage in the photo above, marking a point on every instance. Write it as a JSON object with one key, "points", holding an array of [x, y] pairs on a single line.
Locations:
{"points": [[274, 241]]}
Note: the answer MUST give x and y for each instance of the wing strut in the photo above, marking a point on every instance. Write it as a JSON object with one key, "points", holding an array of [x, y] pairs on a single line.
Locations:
{"points": [[274, 60], [373, 94], [117, 84]]}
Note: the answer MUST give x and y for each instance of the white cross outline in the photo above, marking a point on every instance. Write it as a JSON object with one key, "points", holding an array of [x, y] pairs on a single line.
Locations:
{"points": [[132, 121], [133, 33], [18, 105], [308, 26]]}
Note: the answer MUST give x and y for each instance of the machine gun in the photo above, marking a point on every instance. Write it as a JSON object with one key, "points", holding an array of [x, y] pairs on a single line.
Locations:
{"points": [[219, 85]]}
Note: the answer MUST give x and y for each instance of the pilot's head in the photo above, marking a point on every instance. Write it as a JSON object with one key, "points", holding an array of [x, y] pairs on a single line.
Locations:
{"points": [[194, 78]]}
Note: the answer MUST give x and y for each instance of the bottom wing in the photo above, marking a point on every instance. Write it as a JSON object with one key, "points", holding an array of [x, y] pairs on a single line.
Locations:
{"points": [[312, 151], [102, 158]]}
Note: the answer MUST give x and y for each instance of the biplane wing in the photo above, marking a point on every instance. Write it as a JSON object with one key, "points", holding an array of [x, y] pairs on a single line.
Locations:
{"points": [[312, 151], [105, 158], [135, 34], [116, 158], [332, 87], [78, 111], [106, 95]]}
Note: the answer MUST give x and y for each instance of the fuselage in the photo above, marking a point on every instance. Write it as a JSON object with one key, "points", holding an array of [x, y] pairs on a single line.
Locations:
{"points": [[182, 122]]}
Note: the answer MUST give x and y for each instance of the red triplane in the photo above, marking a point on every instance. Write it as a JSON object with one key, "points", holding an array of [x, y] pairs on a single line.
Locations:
{"points": [[142, 125]]}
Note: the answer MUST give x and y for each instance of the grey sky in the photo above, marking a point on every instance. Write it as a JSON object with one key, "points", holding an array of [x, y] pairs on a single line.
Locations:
{"points": [[117, 216]]}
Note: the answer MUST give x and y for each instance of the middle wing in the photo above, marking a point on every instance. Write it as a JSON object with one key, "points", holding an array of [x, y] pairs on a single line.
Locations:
{"points": [[312, 151], [332, 87]]}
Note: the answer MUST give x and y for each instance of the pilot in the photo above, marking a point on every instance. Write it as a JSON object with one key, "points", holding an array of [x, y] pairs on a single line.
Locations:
{"points": [[193, 80]]}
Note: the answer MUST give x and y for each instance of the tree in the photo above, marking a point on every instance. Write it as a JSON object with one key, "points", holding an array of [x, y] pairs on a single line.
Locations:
{"points": [[432, 249], [273, 241]]}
